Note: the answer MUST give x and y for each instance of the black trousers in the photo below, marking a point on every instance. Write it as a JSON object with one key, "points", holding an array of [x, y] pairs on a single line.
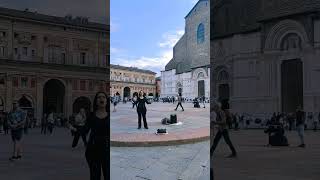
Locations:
{"points": [[143, 114], [179, 104], [226, 137], [77, 135], [97, 162]]}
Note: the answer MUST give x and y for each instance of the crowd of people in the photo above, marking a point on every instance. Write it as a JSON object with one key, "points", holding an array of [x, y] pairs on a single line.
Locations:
{"points": [[93, 127]]}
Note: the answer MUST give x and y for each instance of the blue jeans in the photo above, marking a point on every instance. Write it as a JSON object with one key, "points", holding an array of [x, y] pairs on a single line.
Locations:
{"points": [[300, 129]]}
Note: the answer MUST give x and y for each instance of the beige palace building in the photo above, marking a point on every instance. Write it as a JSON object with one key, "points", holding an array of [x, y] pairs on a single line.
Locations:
{"points": [[128, 81], [49, 62]]}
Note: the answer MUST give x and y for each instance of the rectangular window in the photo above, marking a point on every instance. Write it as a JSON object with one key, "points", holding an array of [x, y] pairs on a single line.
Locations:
{"points": [[33, 82], [63, 58], [1, 81], [25, 51], [75, 85], [24, 82], [90, 86], [2, 51], [82, 85], [15, 82], [33, 53], [83, 58]]}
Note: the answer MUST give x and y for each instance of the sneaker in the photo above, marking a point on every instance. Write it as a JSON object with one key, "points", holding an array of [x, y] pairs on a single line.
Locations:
{"points": [[139, 127]]}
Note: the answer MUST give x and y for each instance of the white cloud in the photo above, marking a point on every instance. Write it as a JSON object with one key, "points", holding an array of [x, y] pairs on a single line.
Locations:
{"points": [[114, 50], [153, 63], [171, 38]]}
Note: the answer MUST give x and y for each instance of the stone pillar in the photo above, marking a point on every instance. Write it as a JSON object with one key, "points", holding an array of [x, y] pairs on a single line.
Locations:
{"points": [[10, 41], [40, 47], [39, 103], [8, 100], [68, 109]]}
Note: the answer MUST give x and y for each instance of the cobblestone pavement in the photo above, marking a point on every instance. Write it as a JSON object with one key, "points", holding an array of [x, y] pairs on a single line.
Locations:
{"points": [[44, 157], [185, 162], [124, 123], [188, 161], [257, 162]]}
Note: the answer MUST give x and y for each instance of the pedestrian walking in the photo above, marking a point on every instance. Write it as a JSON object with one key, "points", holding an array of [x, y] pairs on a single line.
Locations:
{"points": [[134, 100], [44, 124], [141, 109], [5, 123], [80, 121], [50, 121], [16, 121], [221, 124], [300, 122], [116, 99], [179, 102]]}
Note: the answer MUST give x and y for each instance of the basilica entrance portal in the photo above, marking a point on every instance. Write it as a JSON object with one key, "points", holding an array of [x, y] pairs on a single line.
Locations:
{"points": [[53, 96], [291, 85], [201, 89], [224, 95]]}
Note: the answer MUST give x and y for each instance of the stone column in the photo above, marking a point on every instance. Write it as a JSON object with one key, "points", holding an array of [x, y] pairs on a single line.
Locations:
{"points": [[10, 41], [39, 103], [8, 100], [68, 99], [40, 48]]}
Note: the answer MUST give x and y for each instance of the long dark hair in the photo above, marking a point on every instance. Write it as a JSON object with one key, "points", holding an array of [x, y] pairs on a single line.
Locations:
{"points": [[96, 99]]}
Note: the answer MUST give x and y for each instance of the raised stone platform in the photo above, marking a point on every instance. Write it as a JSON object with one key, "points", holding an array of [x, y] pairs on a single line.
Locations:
{"points": [[124, 122]]}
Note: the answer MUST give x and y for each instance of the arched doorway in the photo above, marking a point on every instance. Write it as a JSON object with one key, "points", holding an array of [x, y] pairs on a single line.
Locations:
{"points": [[26, 104], [82, 102], [53, 96], [224, 95], [223, 89], [201, 88], [291, 85], [126, 92]]}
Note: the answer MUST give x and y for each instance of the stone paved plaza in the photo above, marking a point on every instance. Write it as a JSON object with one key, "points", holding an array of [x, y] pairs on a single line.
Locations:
{"points": [[44, 157], [188, 161], [257, 162], [124, 122], [185, 162]]}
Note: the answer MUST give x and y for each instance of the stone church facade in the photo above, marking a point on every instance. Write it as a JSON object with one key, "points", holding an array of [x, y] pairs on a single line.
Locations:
{"points": [[51, 63], [265, 55], [188, 71]]}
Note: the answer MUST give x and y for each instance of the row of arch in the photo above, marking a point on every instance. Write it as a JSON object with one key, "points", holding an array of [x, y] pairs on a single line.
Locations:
{"points": [[53, 99], [127, 93]]}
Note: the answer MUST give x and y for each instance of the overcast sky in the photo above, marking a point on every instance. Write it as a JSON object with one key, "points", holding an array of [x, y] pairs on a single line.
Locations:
{"points": [[96, 10]]}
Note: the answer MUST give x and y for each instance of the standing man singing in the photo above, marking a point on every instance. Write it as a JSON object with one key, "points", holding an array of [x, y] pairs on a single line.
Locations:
{"points": [[16, 122], [221, 123]]}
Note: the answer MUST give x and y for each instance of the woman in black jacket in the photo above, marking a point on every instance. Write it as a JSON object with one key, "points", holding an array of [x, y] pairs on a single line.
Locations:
{"points": [[98, 124], [141, 109]]}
